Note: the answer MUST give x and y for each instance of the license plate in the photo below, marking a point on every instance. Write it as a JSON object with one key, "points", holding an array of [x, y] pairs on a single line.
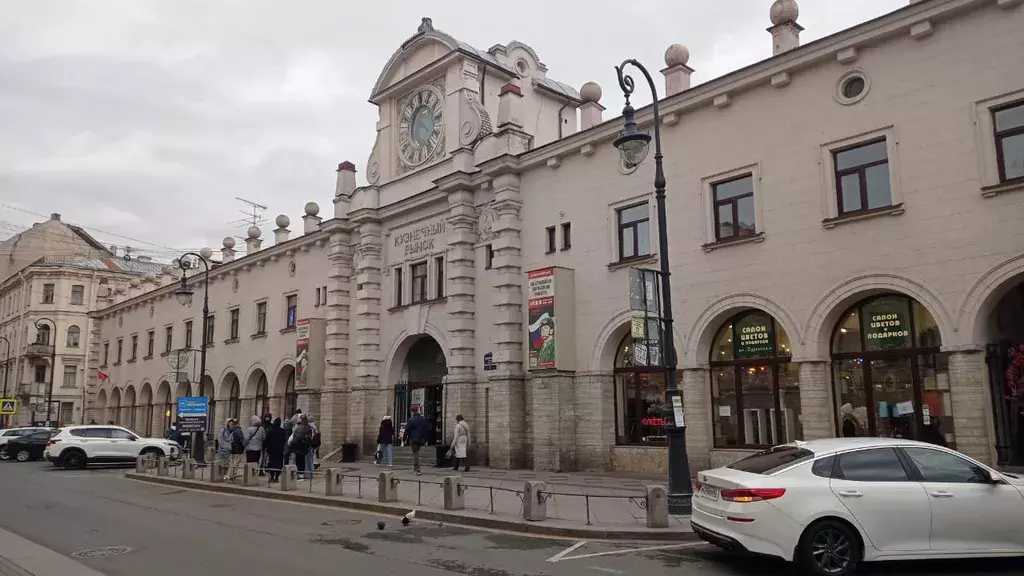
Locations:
{"points": [[708, 492]]}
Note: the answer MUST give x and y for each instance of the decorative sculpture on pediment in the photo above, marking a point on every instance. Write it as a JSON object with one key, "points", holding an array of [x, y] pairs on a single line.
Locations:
{"points": [[476, 122], [485, 222], [373, 164]]}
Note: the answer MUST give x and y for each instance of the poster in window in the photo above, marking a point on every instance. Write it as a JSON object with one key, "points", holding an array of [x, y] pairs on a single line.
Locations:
{"points": [[541, 293], [885, 323], [301, 352], [753, 336]]}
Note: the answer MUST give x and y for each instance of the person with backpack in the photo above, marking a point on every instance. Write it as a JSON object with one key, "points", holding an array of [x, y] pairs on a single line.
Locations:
{"points": [[416, 436], [314, 447], [255, 434], [299, 442]]}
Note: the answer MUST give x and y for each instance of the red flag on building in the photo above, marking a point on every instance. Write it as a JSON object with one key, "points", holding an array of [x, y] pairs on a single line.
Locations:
{"points": [[103, 376]]}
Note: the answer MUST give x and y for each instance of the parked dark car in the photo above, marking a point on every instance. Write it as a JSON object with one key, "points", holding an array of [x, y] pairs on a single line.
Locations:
{"points": [[30, 447]]}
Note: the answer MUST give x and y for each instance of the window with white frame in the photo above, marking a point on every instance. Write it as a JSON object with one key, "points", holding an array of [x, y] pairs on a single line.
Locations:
{"points": [[999, 123], [731, 203], [1009, 140], [860, 176], [74, 337], [70, 376], [634, 231]]}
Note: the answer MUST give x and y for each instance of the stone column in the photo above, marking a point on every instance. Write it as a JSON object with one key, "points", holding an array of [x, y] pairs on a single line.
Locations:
{"points": [[554, 421], [333, 405], [971, 419], [595, 420], [817, 415], [507, 394], [696, 390], [460, 271], [364, 405]]}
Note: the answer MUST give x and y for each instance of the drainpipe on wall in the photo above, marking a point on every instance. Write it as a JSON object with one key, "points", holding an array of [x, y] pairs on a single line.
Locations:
{"points": [[560, 119]]}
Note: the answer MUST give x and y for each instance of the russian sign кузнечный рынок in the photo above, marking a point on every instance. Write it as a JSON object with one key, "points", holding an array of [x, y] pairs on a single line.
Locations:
{"points": [[418, 240]]}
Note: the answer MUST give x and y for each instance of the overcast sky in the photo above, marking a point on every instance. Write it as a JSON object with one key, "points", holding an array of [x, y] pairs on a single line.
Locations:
{"points": [[147, 118]]}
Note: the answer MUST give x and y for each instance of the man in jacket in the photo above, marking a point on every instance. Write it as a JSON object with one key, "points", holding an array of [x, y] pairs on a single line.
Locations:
{"points": [[237, 450], [416, 436]]}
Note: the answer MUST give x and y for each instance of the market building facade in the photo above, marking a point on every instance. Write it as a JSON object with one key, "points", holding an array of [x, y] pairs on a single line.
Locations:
{"points": [[845, 254]]}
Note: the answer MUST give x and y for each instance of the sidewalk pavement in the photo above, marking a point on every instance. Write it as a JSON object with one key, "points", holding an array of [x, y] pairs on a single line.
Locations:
{"points": [[21, 557], [583, 505]]}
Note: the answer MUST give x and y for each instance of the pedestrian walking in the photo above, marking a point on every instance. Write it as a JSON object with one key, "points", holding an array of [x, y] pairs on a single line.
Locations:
{"points": [[415, 436], [275, 445], [298, 444], [267, 420], [385, 439], [255, 435], [224, 440], [460, 443], [173, 434], [237, 450], [288, 426], [314, 446]]}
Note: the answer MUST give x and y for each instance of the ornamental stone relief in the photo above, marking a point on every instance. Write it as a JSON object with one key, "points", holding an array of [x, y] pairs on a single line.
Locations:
{"points": [[485, 222]]}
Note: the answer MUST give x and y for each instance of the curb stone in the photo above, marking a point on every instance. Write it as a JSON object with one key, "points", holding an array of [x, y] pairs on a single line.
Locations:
{"points": [[448, 517]]}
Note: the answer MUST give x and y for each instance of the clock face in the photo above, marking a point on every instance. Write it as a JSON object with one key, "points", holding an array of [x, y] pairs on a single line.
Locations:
{"points": [[420, 126]]}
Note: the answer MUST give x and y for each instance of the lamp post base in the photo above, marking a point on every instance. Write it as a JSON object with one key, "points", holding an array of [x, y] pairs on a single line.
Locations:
{"points": [[680, 504], [680, 484]]}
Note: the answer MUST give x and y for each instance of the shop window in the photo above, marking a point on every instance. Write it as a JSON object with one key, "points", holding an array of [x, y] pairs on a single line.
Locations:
{"points": [[634, 224], [734, 208], [641, 412], [291, 398], [1009, 135], [890, 378], [755, 390]]}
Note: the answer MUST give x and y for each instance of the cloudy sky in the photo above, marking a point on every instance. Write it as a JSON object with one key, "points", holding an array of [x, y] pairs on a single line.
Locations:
{"points": [[146, 118]]}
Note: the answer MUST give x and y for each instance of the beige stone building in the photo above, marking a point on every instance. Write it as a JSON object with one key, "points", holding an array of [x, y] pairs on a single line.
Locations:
{"points": [[843, 221]]}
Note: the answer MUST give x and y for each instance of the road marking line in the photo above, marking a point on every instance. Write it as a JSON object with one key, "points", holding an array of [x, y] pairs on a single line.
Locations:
{"points": [[608, 570], [561, 554], [626, 551]]}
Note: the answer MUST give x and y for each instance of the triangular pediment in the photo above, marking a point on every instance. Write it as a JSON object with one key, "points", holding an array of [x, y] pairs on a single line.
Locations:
{"points": [[427, 45]]}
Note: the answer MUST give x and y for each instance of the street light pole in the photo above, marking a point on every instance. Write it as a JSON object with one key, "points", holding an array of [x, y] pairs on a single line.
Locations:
{"points": [[7, 360], [184, 296], [53, 367], [633, 146]]}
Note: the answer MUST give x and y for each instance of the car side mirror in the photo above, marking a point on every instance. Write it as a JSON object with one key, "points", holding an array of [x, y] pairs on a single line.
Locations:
{"points": [[995, 478]]}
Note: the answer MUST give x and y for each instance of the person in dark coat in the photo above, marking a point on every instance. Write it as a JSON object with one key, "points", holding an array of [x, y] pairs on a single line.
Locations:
{"points": [[385, 438], [416, 436], [274, 445], [302, 433]]}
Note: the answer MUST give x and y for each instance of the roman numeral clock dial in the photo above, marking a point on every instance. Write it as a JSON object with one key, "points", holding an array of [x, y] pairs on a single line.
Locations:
{"points": [[421, 126]]}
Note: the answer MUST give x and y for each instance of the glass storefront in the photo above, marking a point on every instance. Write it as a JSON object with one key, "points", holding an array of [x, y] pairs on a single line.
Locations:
{"points": [[423, 386], [639, 399], [890, 378], [755, 391]]}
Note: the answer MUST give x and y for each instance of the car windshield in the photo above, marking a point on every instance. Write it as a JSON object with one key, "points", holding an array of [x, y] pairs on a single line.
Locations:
{"points": [[772, 460]]}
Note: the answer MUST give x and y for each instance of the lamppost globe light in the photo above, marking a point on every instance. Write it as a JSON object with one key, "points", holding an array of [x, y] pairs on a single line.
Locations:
{"points": [[184, 297], [633, 147]]}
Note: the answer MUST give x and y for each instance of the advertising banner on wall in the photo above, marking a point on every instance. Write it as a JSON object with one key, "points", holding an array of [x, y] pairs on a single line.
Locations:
{"points": [[541, 302], [885, 323], [753, 337], [301, 352]]}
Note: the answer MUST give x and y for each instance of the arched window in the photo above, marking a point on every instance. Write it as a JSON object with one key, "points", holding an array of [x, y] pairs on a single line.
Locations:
{"points": [[261, 406], [889, 375], [291, 399], [43, 334], [639, 399], [234, 399], [74, 336], [754, 389]]}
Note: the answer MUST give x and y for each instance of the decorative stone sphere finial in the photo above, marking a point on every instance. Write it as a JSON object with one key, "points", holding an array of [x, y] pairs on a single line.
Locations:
{"points": [[784, 11], [168, 269], [229, 242], [254, 232], [677, 55], [312, 208], [283, 221], [119, 289], [135, 282], [151, 277], [591, 92], [206, 252]]}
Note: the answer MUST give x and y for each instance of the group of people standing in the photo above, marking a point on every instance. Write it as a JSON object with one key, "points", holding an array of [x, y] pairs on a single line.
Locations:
{"points": [[270, 443], [415, 435]]}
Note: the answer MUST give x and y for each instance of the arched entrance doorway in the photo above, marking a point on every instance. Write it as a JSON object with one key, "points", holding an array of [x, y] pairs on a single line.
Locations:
{"points": [[231, 389], [1005, 336], [128, 417], [755, 390], [146, 408], [113, 416], [422, 384], [890, 378], [261, 400], [639, 398], [163, 394]]}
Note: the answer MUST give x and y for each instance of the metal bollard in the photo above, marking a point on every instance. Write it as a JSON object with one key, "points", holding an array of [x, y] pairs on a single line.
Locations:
{"points": [[387, 487], [535, 503], [211, 455], [140, 465], [657, 507], [188, 469], [217, 472], [289, 478], [161, 466], [454, 493], [250, 474], [334, 483]]}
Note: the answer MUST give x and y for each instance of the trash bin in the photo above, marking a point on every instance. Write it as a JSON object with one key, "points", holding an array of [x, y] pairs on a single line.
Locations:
{"points": [[443, 461], [349, 452]]}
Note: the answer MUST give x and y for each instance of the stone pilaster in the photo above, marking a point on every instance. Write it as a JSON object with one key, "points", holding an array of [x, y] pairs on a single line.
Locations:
{"points": [[460, 270], [333, 405], [595, 420], [92, 382], [364, 403], [970, 417], [507, 387], [695, 385], [817, 414], [554, 421]]}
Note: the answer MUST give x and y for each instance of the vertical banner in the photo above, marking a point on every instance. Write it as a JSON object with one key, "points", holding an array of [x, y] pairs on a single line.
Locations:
{"points": [[541, 294], [301, 351]]}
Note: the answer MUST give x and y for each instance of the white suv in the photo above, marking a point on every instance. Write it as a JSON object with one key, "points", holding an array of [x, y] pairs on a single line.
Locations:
{"points": [[78, 446]]}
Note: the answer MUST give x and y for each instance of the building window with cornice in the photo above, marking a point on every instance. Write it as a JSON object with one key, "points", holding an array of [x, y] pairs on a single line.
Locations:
{"points": [[135, 348], [1009, 125], [634, 225], [188, 334], [71, 376], [77, 295], [233, 331], [47, 293], [261, 318], [291, 305], [168, 339], [439, 276], [734, 208], [399, 288], [74, 336], [106, 353], [120, 349], [150, 343], [419, 282], [862, 178], [210, 331]]}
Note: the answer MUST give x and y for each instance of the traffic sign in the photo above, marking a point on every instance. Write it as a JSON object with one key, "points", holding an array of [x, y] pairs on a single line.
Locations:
{"points": [[8, 406], [192, 411]]}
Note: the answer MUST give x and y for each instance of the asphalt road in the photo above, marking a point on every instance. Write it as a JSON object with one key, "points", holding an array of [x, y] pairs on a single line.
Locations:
{"points": [[169, 531]]}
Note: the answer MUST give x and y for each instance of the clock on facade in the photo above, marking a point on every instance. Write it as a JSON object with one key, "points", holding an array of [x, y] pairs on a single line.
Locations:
{"points": [[421, 126]]}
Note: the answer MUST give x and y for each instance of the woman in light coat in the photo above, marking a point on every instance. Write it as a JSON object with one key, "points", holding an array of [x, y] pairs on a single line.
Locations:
{"points": [[460, 443]]}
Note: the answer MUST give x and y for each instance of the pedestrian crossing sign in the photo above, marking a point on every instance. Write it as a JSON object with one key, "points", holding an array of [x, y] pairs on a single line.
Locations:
{"points": [[8, 406]]}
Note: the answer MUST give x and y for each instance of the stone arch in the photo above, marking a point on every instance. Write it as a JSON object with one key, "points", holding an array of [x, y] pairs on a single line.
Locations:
{"points": [[602, 355], [281, 400], [145, 411], [223, 389], [281, 376], [248, 386], [702, 332], [817, 334], [983, 297], [100, 407], [164, 403], [129, 406], [400, 348], [114, 403], [182, 389]]}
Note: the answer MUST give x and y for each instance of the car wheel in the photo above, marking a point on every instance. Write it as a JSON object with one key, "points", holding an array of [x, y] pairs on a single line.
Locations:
{"points": [[23, 455], [4, 454], [74, 461], [829, 548]]}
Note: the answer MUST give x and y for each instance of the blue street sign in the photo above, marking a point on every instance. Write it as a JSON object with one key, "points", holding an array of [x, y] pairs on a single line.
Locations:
{"points": [[193, 406]]}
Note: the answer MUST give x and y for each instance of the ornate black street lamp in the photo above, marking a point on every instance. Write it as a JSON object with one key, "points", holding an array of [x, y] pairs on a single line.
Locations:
{"points": [[53, 366], [7, 360], [184, 296], [633, 147]]}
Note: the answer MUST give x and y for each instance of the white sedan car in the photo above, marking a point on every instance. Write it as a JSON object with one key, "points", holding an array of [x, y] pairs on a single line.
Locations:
{"points": [[830, 504]]}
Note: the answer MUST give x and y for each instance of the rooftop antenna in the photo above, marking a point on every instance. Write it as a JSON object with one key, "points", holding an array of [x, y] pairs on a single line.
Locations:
{"points": [[252, 214]]}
